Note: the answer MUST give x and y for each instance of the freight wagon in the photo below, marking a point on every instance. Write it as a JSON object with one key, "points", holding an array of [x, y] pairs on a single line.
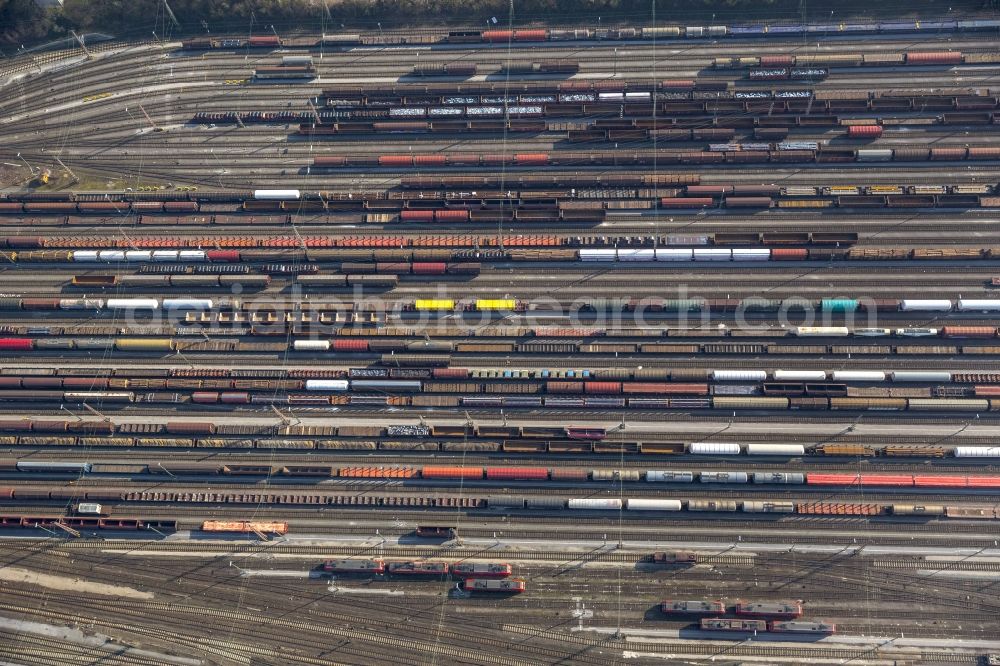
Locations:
{"points": [[282, 72], [80, 523], [244, 527], [494, 586], [200, 43]]}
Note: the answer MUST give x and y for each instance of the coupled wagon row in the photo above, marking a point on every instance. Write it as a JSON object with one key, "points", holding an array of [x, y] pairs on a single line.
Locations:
{"points": [[423, 359], [558, 474], [507, 503], [614, 33], [706, 90], [380, 248], [439, 207], [824, 155], [72, 524], [835, 305], [686, 399], [472, 576], [760, 109], [783, 61], [653, 106], [376, 439], [470, 69], [471, 188], [378, 566], [785, 610], [739, 625], [632, 131], [462, 254]]}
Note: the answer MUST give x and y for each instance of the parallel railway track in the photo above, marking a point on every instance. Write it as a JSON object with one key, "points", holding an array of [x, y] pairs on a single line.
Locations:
{"points": [[246, 601]]}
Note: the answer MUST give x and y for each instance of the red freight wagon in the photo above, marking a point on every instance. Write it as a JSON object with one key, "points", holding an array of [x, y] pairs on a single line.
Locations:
{"points": [[602, 387], [789, 254], [429, 472], [223, 255], [531, 159], [429, 160], [497, 35], [395, 160], [518, 473], [864, 131], [934, 58], [982, 481], [350, 345], [969, 331], [16, 344], [451, 215], [429, 268], [530, 35], [450, 373], [416, 215], [940, 481], [777, 61]]}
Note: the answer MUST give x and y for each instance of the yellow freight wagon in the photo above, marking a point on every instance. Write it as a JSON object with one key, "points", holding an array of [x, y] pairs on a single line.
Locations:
{"points": [[434, 304], [496, 304], [144, 344]]}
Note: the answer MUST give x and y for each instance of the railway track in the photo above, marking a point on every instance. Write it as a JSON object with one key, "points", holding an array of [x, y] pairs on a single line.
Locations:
{"points": [[247, 601]]}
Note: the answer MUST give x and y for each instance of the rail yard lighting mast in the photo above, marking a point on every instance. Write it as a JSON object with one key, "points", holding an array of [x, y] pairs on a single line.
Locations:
{"points": [[82, 45]]}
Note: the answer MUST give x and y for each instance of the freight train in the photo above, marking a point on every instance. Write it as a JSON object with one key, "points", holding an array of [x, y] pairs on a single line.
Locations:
{"points": [[788, 73], [582, 475], [226, 267], [920, 391], [841, 393], [192, 435], [449, 69], [284, 72], [710, 91], [509, 439], [84, 523], [378, 566], [824, 155], [263, 41], [826, 306], [613, 33], [509, 503], [369, 255], [597, 130], [191, 202], [784, 61]]}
